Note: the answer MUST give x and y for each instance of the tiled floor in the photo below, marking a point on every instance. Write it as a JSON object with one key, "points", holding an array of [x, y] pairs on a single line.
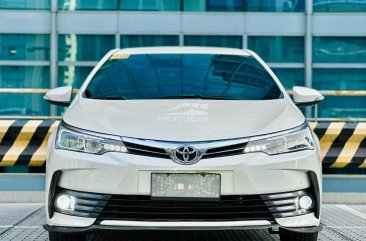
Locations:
{"points": [[24, 222]]}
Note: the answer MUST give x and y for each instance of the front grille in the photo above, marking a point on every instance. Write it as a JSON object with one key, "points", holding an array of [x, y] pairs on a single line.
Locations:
{"points": [[231, 150], [144, 150], [143, 208]]}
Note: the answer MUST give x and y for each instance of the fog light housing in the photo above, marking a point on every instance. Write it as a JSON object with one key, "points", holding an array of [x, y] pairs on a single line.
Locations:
{"points": [[289, 204], [65, 202], [305, 202]]}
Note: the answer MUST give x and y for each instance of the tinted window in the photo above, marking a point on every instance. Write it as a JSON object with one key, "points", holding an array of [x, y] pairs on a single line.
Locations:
{"points": [[277, 49], [339, 5], [275, 6], [150, 5], [73, 75], [24, 76], [339, 49], [225, 5], [24, 4], [214, 41], [75, 47], [290, 77], [162, 76], [24, 47], [128, 41], [339, 79], [72, 5]]}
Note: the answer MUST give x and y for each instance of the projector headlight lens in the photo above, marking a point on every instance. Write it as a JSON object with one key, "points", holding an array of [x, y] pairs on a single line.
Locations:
{"points": [[296, 140], [83, 142]]}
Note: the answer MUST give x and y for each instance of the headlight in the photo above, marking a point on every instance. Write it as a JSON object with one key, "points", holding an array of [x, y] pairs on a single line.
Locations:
{"points": [[75, 140], [293, 140]]}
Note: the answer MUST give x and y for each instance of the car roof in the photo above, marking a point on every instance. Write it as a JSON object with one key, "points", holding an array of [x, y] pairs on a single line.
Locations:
{"points": [[183, 50]]}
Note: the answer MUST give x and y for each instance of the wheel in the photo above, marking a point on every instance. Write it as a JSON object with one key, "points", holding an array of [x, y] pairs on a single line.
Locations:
{"points": [[55, 236], [294, 236]]}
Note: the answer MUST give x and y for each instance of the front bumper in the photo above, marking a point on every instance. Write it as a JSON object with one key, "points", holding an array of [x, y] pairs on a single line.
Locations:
{"points": [[124, 212], [166, 226], [125, 174], [219, 226]]}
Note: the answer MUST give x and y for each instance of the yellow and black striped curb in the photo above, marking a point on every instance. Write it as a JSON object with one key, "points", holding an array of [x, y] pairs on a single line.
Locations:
{"points": [[24, 142], [342, 144]]}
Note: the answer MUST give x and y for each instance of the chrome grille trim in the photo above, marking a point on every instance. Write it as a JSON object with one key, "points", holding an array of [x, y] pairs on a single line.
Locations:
{"points": [[207, 224], [217, 152], [161, 149], [141, 149], [172, 144]]}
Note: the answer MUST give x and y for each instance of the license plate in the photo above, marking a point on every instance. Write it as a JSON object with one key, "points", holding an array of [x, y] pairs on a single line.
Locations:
{"points": [[182, 185]]}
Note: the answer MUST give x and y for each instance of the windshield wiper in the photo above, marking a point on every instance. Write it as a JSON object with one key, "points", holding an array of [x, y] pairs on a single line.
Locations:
{"points": [[204, 97], [109, 97]]}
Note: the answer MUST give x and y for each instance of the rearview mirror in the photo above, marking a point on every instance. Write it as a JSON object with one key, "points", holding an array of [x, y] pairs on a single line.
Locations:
{"points": [[59, 96], [306, 96]]}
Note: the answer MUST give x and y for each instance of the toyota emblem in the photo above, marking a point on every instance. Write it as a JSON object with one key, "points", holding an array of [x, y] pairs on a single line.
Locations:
{"points": [[186, 155]]}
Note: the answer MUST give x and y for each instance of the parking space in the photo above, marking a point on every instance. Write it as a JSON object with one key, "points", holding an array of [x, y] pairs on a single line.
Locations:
{"points": [[24, 222]]}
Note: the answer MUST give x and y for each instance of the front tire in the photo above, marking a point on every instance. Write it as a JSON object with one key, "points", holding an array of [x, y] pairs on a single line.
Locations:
{"points": [[56, 236], [294, 236]]}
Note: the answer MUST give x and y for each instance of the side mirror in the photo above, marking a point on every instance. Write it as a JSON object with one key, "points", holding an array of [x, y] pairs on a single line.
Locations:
{"points": [[306, 96], [59, 96]]}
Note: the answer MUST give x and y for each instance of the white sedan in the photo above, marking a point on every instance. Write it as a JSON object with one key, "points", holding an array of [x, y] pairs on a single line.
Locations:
{"points": [[183, 138]]}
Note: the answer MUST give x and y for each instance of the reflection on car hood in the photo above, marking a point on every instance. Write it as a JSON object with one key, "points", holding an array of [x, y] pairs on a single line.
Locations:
{"points": [[184, 120]]}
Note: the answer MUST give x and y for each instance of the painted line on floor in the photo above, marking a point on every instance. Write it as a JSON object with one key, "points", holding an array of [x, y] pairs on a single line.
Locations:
{"points": [[19, 221], [20, 227], [346, 227], [352, 211]]}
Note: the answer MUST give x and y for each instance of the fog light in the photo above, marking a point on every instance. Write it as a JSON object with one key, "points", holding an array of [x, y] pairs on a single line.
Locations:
{"points": [[305, 202], [65, 202]]}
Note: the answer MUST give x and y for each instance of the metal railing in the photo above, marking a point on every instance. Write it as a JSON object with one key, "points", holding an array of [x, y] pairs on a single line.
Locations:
{"points": [[75, 91], [339, 92], [28, 91]]}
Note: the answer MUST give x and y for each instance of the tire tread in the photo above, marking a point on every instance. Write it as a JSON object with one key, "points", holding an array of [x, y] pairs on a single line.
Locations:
{"points": [[294, 236]]}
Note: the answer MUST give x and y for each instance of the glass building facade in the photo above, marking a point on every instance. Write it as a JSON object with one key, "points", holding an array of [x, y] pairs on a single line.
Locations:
{"points": [[58, 42], [190, 5]]}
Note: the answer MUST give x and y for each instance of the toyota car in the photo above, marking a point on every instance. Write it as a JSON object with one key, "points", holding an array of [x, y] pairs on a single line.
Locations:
{"points": [[183, 138]]}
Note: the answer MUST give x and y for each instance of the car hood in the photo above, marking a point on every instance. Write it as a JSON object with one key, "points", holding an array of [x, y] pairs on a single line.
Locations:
{"points": [[183, 120]]}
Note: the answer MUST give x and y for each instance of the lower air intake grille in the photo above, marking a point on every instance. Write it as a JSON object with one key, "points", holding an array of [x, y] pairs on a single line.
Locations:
{"points": [[143, 208]]}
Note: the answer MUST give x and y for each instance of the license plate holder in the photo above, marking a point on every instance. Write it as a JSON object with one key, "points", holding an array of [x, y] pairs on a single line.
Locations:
{"points": [[185, 186]]}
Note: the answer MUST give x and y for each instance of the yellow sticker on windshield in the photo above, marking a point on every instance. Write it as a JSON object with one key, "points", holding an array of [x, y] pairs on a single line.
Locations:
{"points": [[120, 56]]}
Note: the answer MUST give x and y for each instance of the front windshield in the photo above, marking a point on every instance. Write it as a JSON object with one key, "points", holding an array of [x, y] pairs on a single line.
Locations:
{"points": [[175, 76]]}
